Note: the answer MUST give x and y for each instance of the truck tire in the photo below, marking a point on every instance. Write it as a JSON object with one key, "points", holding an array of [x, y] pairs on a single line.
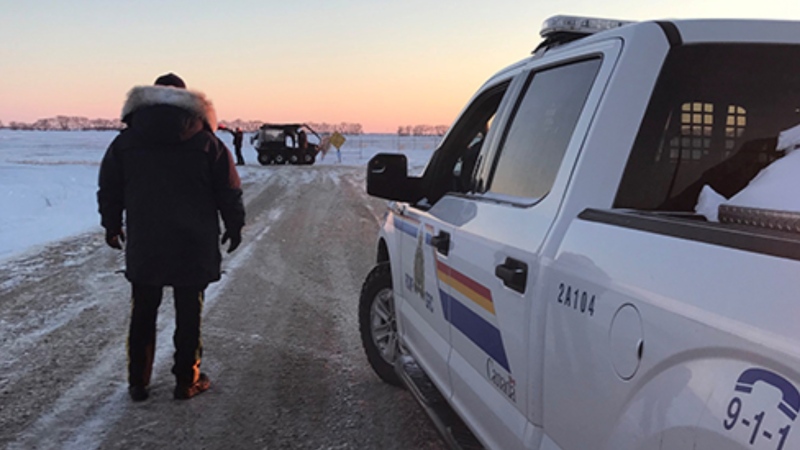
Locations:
{"points": [[308, 158], [279, 159], [264, 159], [378, 323], [293, 159]]}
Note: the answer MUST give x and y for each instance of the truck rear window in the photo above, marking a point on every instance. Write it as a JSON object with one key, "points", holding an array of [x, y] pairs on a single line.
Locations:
{"points": [[713, 119]]}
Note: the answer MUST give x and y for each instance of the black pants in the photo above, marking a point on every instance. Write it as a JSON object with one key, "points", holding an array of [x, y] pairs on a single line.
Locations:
{"points": [[142, 333], [239, 157]]}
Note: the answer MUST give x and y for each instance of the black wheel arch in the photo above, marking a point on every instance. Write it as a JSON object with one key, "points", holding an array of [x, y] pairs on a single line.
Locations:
{"points": [[383, 252]]}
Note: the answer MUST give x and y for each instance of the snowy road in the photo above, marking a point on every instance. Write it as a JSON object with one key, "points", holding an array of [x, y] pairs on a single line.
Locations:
{"points": [[280, 334]]}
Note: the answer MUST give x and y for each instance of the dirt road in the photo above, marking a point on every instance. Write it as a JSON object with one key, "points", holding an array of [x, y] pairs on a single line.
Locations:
{"points": [[280, 333]]}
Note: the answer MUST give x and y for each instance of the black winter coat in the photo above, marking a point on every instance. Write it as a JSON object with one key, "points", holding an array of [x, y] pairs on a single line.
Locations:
{"points": [[173, 178]]}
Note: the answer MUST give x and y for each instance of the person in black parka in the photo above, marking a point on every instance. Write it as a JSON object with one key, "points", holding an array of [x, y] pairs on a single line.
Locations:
{"points": [[238, 138], [173, 179]]}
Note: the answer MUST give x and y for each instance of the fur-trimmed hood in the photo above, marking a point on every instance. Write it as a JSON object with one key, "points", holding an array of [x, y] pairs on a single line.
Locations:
{"points": [[192, 101]]}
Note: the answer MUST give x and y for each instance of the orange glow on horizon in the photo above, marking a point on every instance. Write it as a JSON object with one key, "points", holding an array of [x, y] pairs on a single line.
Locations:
{"points": [[379, 109]]}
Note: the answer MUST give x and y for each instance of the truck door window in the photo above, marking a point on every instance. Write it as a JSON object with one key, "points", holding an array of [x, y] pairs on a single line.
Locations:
{"points": [[453, 164], [541, 128], [713, 119]]}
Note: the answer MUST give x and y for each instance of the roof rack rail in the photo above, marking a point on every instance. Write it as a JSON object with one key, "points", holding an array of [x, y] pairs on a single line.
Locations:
{"points": [[558, 30]]}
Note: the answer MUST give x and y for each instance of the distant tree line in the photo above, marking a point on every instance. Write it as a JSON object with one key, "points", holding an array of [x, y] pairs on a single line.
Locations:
{"points": [[320, 127], [74, 123], [247, 126], [422, 130], [343, 128], [66, 123]]}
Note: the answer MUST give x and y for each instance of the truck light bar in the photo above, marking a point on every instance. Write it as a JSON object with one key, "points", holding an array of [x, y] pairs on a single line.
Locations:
{"points": [[578, 25]]}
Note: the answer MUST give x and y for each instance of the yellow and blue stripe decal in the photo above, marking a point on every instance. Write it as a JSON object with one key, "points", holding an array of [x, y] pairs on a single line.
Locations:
{"points": [[407, 225], [477, 329]]}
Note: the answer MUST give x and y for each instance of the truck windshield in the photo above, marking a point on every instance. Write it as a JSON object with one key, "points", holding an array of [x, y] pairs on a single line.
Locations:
{"points": [[713, 119]]}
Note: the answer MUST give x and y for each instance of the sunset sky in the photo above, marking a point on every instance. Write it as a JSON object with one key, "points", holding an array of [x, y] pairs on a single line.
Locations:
{"points": [[380, 63]]}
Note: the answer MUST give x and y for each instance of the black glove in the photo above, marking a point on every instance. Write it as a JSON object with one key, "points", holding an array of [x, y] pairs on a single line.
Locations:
{"points": [[114, 239], [235, 237]]}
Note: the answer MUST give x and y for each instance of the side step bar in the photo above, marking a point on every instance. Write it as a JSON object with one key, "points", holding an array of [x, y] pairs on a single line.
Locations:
{"points": [[450, 426]]}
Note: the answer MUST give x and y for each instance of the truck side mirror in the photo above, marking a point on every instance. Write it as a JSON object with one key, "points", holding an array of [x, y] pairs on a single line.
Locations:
{"points": [[387, 177]]}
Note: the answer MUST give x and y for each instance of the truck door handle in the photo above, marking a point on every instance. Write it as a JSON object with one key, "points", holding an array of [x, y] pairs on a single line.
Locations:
{"points": [[442, 242], [514, 274]]}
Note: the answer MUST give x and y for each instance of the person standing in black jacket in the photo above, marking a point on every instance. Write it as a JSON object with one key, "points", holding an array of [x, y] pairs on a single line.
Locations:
{"points": [[238, 137], [174, 179]]}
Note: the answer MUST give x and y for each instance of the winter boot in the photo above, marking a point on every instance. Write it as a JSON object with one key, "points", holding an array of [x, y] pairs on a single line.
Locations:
{"points": [[138, 393], [187, 391]]}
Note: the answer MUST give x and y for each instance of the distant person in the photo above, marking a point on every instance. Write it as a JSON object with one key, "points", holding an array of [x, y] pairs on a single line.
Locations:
{"points": [[288, 134], [302, 139], [238, 137], [173, 178]]}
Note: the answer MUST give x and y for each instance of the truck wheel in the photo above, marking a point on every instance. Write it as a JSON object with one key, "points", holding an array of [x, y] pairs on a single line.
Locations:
{"points": [[279, 159], [378, 324], [263, 159], [308, 158]]}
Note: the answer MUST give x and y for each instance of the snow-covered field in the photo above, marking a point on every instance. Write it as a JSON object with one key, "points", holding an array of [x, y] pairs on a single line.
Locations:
{"points": [[48, 179]]}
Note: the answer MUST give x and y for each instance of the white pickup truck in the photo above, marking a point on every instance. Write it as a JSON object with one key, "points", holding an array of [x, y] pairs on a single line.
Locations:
{"points": [[547, 282]]}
